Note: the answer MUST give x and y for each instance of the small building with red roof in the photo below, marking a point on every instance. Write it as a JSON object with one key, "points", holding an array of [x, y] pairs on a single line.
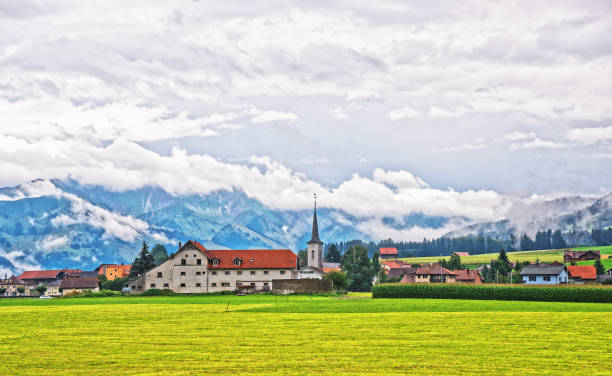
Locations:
{"points": [[37, 277], [435, 273], [582, 273], [467, 276], [113, 271], [78, 285], [195, 269], [388, 253]]}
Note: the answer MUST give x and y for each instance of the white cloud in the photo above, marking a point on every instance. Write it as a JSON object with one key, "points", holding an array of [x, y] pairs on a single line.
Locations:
{"points": [[537, 144], [466, 146], [274, 116], [519, 136], [399, 179], [52, 242], [402, 113], [20, 261], [364, 95], [590, 136]]}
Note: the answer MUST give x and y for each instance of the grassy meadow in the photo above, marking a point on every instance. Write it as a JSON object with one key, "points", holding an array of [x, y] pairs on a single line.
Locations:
{"points": [[301, 335], [545, 256]]}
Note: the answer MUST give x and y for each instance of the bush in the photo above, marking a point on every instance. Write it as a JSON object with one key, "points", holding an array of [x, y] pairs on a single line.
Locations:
{"points": [[101, 293], [157, 292], [495, 292]]}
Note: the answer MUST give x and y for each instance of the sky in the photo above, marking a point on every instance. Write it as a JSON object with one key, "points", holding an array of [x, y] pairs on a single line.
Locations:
{"points": [[388, 107]]}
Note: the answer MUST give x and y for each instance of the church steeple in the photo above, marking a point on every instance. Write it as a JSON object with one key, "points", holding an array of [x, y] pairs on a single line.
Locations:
{"points": [[314, 237], [315, 245]]}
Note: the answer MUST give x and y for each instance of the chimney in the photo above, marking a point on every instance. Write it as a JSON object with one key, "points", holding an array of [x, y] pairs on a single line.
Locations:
{"points": [[180, 245]]}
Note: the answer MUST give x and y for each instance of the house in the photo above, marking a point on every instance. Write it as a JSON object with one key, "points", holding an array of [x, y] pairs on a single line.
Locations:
{"points": [[195, 269], [409, 275], [582, 273], [388, 253], [112, 271], [462, 254], [37, 277], [13, 285], [311, 272], [434, 273], [396, 269], [72, 285], [467, 276], [575, 256], [539, 274], [53, 288]]}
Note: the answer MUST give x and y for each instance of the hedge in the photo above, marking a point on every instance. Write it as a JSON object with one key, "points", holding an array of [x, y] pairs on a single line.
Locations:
{"points": [[495, 292]]}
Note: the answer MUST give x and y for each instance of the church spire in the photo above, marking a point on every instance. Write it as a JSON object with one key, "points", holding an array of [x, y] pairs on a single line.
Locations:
{"points": [[314, 238]]}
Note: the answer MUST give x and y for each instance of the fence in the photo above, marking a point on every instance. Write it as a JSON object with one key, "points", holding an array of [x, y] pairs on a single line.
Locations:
{"points": [[301, 286]]}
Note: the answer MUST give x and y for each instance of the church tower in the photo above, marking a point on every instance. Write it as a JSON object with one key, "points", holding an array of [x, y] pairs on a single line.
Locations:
{"points": [[315, 245]]}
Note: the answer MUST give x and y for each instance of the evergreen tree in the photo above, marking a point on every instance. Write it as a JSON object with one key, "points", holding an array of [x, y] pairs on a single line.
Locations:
{"points": [[358, 267], [455, 262], [303, 257], [599, 267], [332, 255], [558, 241], [143, 262], [159, 253], [375, 263], [503, 264]]}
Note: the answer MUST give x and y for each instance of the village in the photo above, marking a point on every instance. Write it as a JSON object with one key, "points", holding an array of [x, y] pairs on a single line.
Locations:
{"points": [[194, 269]]}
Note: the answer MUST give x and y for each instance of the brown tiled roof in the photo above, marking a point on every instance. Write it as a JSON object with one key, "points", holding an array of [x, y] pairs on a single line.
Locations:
{"points": [[40, 274], [466, 275], [434, 269], [79, 283]]}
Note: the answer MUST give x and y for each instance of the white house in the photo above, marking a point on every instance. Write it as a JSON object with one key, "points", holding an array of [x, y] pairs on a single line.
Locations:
{"points": [[544, 274]]}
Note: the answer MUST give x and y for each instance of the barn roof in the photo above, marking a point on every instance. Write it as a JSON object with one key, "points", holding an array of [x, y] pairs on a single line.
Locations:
{"points": [[251, 258], [582, 271], [79, 283], [388, 251]]}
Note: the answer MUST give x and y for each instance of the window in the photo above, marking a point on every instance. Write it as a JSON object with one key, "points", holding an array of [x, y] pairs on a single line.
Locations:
{"points": [[266, 272], [194, 256], [198, 285], [182, 274], [237, 261], [227, 273], [183, 262], [182, 285], [312, 255], [199, 262], [214, 273], [239, 272], [225, 284], [214, 284], [198, 273], [215, 261], [252, 283], [159, 274], [152, 285], [166, 285], [265, 283], [547, 278], [282, 272], [532, 278], [252, 272]]}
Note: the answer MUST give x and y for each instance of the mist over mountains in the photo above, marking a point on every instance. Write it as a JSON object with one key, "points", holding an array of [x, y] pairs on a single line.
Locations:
{"points": [[61, 223]]}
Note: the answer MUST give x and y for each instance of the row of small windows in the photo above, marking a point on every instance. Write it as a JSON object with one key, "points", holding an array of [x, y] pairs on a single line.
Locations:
{"points": [[214, 261], [214, 284], [227, 272]]}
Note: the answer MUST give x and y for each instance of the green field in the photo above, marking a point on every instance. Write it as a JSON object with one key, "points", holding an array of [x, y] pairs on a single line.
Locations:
{"points": [[300, 335], [545, 256]]}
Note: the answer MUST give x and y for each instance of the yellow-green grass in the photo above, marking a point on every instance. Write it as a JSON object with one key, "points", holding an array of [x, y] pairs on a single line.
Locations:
{"points": [[301, 335], [546, 256]]}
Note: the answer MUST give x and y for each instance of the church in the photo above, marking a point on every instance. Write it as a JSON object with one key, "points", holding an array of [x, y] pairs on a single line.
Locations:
{"points": [[316, 267], [195, 269]]}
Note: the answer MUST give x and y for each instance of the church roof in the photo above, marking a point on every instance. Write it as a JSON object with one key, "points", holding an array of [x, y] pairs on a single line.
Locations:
{"points": [[314, 238]]}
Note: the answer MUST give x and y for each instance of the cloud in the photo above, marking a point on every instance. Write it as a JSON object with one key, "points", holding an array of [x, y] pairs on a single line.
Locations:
{"points": [[590, 136], [274, 116], [402, 113], [537, 144], [399, 179], [519, 136], [52, 242], [20, 261], [466, 146]]}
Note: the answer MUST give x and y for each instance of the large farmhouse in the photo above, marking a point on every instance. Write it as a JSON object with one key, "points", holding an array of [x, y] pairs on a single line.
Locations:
{"points": [[195, 269]]}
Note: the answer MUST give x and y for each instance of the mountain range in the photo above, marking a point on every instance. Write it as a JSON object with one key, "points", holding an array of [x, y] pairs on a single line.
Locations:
{"points": [[62, 223]]}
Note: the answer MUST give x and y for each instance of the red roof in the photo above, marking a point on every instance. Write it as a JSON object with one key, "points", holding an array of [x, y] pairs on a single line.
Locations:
{"points": [[396, 265], [251, 258], [79, 283], [49, 274], [40, 274], [434, 269], [388, 251], [467, 275], [582, 271]]}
